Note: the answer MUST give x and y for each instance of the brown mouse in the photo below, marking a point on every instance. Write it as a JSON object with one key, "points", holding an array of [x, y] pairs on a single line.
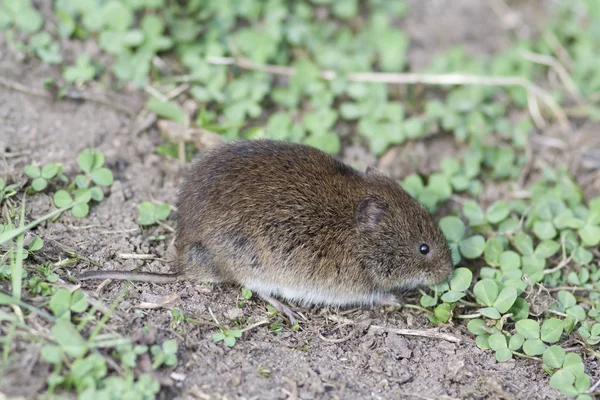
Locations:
{"points": [[286, 220]]}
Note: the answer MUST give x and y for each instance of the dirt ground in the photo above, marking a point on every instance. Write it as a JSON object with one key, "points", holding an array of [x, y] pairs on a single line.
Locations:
{"points": [[263, 364]]}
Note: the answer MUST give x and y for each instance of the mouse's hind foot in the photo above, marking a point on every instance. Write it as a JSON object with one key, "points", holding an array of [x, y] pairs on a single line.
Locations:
{"points": [[390, 300], [283, 309]]}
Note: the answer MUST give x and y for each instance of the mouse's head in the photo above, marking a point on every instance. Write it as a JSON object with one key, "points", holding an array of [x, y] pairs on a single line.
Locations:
{"points": [[401, 245]]}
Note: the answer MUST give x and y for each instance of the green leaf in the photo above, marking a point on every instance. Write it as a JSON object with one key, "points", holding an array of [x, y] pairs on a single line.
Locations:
{"points": [[217, 337], [78, 302], [544, 230], [524, 243], [493, 249], [497, 341], [455, 253], [39, 184], [503, 355], [554, 356], [509, 225], [413, 127], [516, 342], [350, 111], [576, 312], [82, 71], [534, 347], [85, 160], [60, 302], [49, 171], [32, 171], [442, 312], [574, 363], [482, 341], [167, 110], [489, 312], [546, 248], [452, 296], [83, 195], [229, 341], [461, 279], [582, 383], [529, 328], [29, 20], [450, 167], [472, 247], [584, 397], [460, 183], [473, 213], [36, 244], [497, 212], [486, 291], [475, 326], [427, 301], [147, 213], [97, 193], [505, 299], [582, 255], [246, 293], [439, 184], [509, 260], [413, 184], [563, 380], [327, 142], [162, 211], [81, 181], [102, 177], [519, 310], [170, 347], [62, 198], [566, 220], [80, 210], [117, 15], [590, 235], [320, 122], [552, 330], [565, 300], [69, 339], [51, 353], [453, 228]]}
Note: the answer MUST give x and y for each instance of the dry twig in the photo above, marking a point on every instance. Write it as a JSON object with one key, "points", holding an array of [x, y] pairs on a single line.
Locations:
{"points": [[428, 333], [560, 70], [411, 78], [137, 256]]}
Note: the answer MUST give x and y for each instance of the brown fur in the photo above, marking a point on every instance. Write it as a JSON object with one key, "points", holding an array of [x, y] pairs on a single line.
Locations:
{"points": [[285, 218]]}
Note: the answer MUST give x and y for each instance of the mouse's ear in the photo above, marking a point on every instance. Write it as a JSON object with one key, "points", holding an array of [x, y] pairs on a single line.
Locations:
{"points": [[371, 210], [371, 170]]}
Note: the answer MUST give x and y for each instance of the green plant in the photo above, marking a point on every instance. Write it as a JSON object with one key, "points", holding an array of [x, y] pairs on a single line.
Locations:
{"points": [[20, 14], [150, 213], [246, 293], [82, 71], [229, 337], [63, 302], [236, 61], [80, 192], [165, 354], [41, 177], [7, 191]]}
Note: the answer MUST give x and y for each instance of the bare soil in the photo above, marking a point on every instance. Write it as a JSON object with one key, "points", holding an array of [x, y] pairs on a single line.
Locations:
{"points": [[263, 364]]}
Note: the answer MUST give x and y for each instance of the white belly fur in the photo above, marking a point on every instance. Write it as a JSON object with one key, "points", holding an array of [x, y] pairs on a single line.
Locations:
{"points": [[312, 295]]}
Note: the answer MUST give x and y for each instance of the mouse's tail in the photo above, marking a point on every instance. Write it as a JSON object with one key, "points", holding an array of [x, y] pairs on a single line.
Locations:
{"points": [[131, 276]]}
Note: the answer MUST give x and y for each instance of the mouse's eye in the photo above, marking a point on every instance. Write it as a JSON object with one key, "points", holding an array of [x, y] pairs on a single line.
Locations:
{"points": [[424, 249]]}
